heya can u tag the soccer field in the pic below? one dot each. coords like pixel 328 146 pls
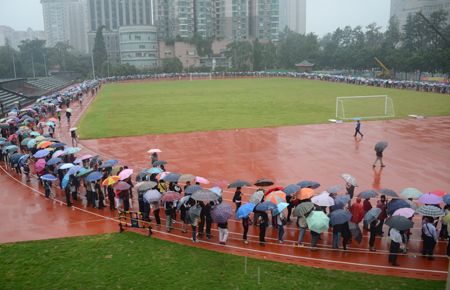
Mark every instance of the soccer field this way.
pixel 139 108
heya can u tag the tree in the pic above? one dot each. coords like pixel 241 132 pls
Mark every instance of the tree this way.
pixel 100 53
pixel 241 53
pixel 172 65
pixel 204 46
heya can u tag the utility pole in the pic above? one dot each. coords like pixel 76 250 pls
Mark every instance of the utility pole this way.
pixel 92 62
pixel 45 65
pixel 14 66
pixel 32 66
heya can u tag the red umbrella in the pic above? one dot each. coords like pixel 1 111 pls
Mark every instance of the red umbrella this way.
pixel 170 196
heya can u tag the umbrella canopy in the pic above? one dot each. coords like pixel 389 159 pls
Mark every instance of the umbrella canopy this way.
pixel 49 177
pixel 34 134
pixel 446 199
pixel 380 146
pixel 71 150
pixel 280 207
pixel 323 199
pixel 264 182
pixel 334 189
pixel 186 177
pixel 10 148
pixel 121 185
pixel 410 192
pixel 124 174
pixel 217 190
pixel 70 111
pixel 276 197
pixel 367 194
pixel 395 204
pixel 84 171
pixel 154 150
pixel 194 212
pixel 153 170
pixel 111 180
pixel 372 214
pixel 66 165
pixel 343 199
pixel 356 232
pixel 14 159
pixel 265 206
pixel 388 192
pixel 171 177
pixel 429 198
pixel 86 157
pixel 291 189
pixel 170 196
pixel 303 209
pixel 54 161
pixel 221 213
pixel 438 192
pixel 94 176
pixel 406 212
pixel 204 195
pixel 183 201
pixel 340 216
pixel 39 165
pixel 238 183
pixel 159 163
pixel 318 221
pixel 74 169
pixel 192 188
pixel 245 210
pixel 430 210
pixel 145 185
pixel 399 222
pixel 23 159
pixel 201 180
pixel 57 153
pixel 31 143
pixel 25 141
pixel 305 193
pixel 44 144
pixel 349 179
pixel 152 196
pixel 308 183
pixel 41 153
pixel 256 197
pixel 109 163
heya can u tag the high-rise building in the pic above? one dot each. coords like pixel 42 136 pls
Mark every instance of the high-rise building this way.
pixel 139 46
pixel 204 18
pixel 293 15
pixel 15 37
pixel 237 19
pixel 402 8
pixel 65 21
pixel 265 19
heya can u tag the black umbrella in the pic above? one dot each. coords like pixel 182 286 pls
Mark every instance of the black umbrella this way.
pixel 395 204
pixel 264 182
pixel 380 146
pixel 239 183
pixel 388 192
pixel 192 188
pixel 399 222
pixel 171 177
pixel 368 194
pixel 159 163
pixel 57 145
pixel 308 183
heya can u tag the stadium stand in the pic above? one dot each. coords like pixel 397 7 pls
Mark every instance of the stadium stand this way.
pixel 49 84
pixel 10 100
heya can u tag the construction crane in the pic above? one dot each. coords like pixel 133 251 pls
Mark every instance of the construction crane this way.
pixel 386 73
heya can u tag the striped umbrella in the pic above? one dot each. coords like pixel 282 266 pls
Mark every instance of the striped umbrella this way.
pixel 430 210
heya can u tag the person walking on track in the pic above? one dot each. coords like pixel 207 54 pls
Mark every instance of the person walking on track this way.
pixel 358 129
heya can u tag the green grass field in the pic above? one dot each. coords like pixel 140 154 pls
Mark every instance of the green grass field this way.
pixel 185 106
pixel 133 261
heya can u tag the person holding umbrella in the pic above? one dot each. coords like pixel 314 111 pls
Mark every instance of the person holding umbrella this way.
pixel 156 209
pixel 379 148
pixel 429 236
pixel 263 223
pixel 26 171
pixel 237 198
pixel 168 206
pixel 382 204
pixel 74 136
pixel 396 242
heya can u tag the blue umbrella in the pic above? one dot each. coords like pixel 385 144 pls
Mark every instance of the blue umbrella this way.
pixel 84 171
pixel 192 188
pixel 171 177
pixel 34 134
pixel 340 216
pixel 264 206
pixel 23 159
pixel 291 189
pixel 344 199
pixel 74 169
pixel 221 213
pixel 245 210
pixel 109 163
pixel 446 199
pixel 71 150
pixel 49 177
pixel 153 170
pixel 41 153
pixel 10 148
pixel 388 192
pixel 65 180
pixel 57 145
pixel 372 214
pixel 395 204
pixel 31 143
pixel 367 194
pixel 280 207
pixel 308 183
pixel 94 176
pixel 54 161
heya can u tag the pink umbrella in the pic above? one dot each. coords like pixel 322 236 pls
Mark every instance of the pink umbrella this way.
pixel 124 174
pixel 122 186
pixel 170 196
pixel 201 180
pixel 39 165
pixel 57 153
pixel 406 212
pixel 154 150
pixel 87 156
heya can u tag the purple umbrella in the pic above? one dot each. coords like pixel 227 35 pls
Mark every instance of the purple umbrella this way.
pixel 429 198
pixel 122 186
pixel 221 213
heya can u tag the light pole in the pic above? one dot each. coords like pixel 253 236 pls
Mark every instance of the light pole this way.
pixel 32 66
pixel 45 64
pixel 14 66
pixel 92 63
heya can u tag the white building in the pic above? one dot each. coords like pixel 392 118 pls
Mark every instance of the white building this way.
pixel 293 15
pixel 402 8
pixel 15 37
pixel 139 46
pixel 66 21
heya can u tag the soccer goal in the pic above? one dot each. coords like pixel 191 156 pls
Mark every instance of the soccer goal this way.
pixel 364 107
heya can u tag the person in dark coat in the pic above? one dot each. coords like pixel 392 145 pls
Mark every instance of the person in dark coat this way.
pixel 373 228
pixel 205 218
pixel 47 186
pixel 396 241
pixel 263 223
pixel 237 198
pixel 245 225
pixel 358 129
pixel 111 197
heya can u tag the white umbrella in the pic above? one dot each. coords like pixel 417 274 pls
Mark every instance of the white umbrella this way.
pixel 323 199
pixel 350 179
pixel 152 196
pixel 154 150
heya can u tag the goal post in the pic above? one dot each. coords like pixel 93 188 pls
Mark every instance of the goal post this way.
pixel 364 107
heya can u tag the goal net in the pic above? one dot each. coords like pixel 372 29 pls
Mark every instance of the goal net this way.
pixel 364 107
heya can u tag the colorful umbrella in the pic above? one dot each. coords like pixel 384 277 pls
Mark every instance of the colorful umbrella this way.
pixel 265 206
pixel 388 192
pixel 124 174
pixel 54 161
pixel 395 204
pixel 245 210
pixel 340 216
pixel 171 177
pixel 153 170
pixel 94 176
pixel 204 195
pixel 54 120
pixel 74 170
pixel 66 166
pixel 85 157
pixel 438 192
pixel 429 198
pixel 303 209
pixel 217 190
pixel 57 153
pixel 430 210
pixel 39 165
pixel 264 182
pixel 221 213
pixel 110 180
pixel 410 192
pixel 323 199
pixel 152 196
pixel 154 150
pixel 334 189
pixel 349 179
pixel 238 183
pixel 58 145
pixel 109 163
pixel 145 185
pixel 186 177
pixel 170 196
pixel 41 153
pixel 276 197
pixel 191 189
pixel 318 221
pixel 71 150
pixel 406 212
pixel 84 171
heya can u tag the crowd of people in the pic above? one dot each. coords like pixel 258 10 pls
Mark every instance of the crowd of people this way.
pixel 28 145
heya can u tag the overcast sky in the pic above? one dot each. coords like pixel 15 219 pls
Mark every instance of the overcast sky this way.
pixel 322 15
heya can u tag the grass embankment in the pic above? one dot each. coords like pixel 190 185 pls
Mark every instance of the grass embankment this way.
pixel 131 109
pixel 133 261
